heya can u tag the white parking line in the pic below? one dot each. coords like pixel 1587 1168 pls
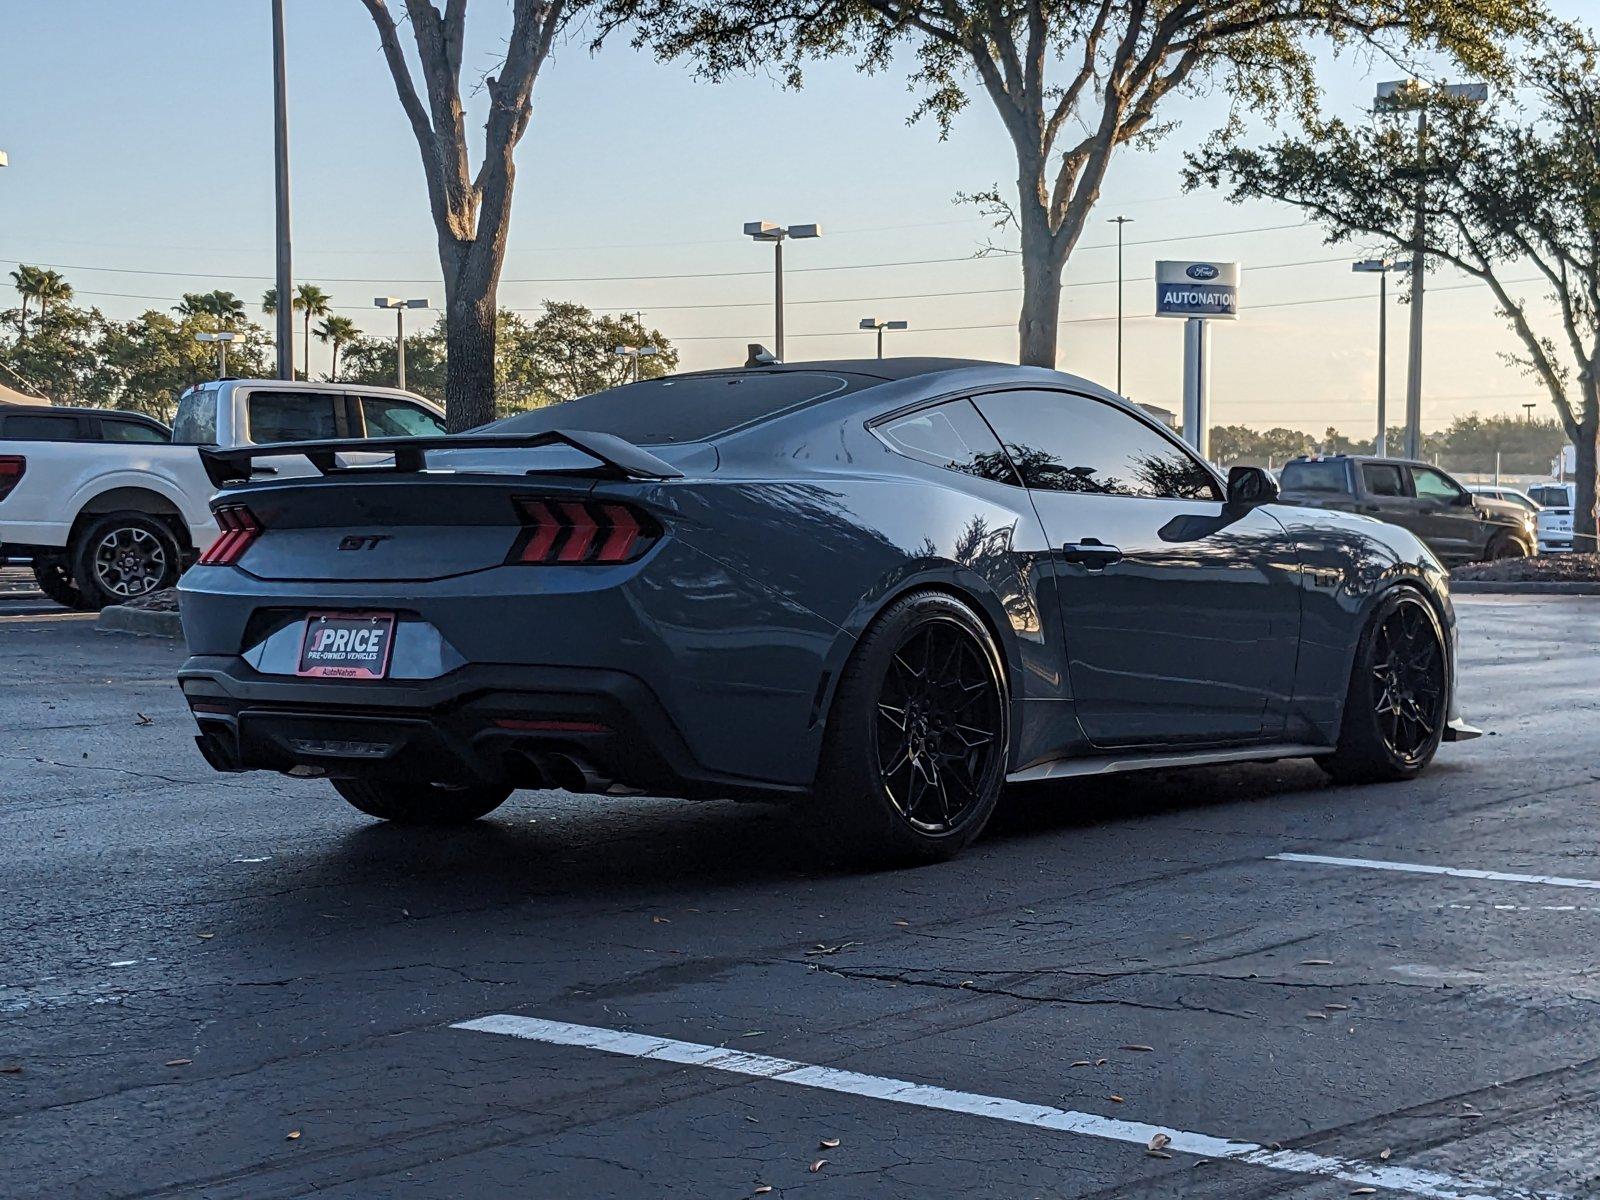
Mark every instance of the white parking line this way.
pixel 1378 864
pixel 1431 1184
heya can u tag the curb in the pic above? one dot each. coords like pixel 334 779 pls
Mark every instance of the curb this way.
pixel 120 618
pixel 1530 587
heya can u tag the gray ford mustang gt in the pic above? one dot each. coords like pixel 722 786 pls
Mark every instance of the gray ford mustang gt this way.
pixel 878 589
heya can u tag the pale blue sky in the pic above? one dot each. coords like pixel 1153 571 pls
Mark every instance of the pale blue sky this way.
pixel 140 139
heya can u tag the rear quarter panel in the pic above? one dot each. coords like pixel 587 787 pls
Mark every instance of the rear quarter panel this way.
pixel 63 477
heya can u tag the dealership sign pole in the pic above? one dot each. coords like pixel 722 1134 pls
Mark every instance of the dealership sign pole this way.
pixel 1199 292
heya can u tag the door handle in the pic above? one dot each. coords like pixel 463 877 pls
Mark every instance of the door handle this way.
pixel 1091 553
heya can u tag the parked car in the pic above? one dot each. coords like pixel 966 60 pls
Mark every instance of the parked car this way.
pixel 110 517
pixel 1509 495
pixel 1456 525
pixel 878 589
pixel 80 425
pixel 1555 517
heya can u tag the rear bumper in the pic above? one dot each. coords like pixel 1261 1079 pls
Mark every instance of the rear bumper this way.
pixel 506 725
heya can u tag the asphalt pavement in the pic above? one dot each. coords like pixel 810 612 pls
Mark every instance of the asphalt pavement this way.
pixel 1232 983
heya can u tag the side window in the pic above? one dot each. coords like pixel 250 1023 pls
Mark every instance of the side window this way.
pixel 42 428
pixel 1434 485
pixel 1324 475
pixel 196 423
pixel 1065 443
pixel 953 436
pixel 113 429
pixel 292 417
pixel 1382 479
pixel 395 418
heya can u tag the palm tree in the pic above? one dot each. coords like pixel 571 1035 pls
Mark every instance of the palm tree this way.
pixel 26 280
pixel 312 301
pixel 340 331
pixel 51 288
pixel 225 306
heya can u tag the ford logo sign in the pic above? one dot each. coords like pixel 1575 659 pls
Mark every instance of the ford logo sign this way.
pixel 1202 271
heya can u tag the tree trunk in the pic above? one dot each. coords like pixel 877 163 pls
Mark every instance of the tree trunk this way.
pixel 1584 483
pixel 469 353
pixel 1041 291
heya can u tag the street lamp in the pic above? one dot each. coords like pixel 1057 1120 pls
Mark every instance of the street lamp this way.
pixel 1407 96
pixel 1119 222
pixel 880 326
pixel 280 177
pixel 766 231
pixel 635 353
pixel 221 339
pixel 4 161
pixel 399 307
pixel 1381 268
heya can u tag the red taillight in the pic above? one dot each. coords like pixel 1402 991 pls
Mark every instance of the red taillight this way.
pixel 239 529
pixel 581 531
pixel 12 467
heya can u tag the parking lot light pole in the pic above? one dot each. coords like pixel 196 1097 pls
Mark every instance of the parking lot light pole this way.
pixel 767 231
pixel 635 353
pixel 1119 222
pixel 399 307
pixel 280 163
pixel 221 339
pixel 1413 96
pixel 1381 268
pixel 880 326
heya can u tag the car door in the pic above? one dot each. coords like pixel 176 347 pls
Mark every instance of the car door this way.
pixel 1181 614
pixel 1386 495
pixel 1454 528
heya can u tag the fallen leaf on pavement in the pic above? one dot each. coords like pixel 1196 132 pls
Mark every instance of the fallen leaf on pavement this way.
pixel 1317 1016
pixel 828 1144
pixel 660 920
pixel 1159 1140
pixel 1100 1062
pixel 903 924
pixel 179 1062
pixel 1114 1098
pixel 141 719
pixel 10 1070
pixel 1316 962
pixel 762 1190
pixel 1365 1191
pixel 292 1135
pixel 205 935
pixel 818 1165
pixel 1142 1049
pixel 1385 1153
pixel 1083 1062
pixel 1157 1154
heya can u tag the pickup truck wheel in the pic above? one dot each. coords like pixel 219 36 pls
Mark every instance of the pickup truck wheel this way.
pixel 421 803
pixel 55 580
pixel 1505 545
pixel 123 556
pixel 1395 709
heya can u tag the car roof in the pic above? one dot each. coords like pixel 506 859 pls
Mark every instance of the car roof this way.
pixel 30 410
pixel 877 368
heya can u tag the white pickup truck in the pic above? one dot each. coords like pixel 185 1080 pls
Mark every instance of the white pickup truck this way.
pixel 106 521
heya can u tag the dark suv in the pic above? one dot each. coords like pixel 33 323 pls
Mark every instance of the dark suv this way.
pixel 1456 525
pixel 32 424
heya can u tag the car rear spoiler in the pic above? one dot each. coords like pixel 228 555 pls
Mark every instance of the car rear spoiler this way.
pixel 615 457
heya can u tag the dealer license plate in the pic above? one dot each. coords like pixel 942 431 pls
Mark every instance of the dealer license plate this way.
pixel 346 645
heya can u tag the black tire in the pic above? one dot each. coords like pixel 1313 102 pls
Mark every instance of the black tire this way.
pixel 55 580
pixel 1505 545
pixel 1398 698
pixel 421 804
pixel 123 556
pixel 914 755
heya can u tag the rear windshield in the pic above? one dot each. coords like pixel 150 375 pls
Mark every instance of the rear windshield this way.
pixel 692 408
pixel 1549 497
pixel 1315 477
pixel 196 423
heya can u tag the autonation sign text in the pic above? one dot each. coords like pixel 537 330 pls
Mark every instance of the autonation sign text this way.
pixel 1197 289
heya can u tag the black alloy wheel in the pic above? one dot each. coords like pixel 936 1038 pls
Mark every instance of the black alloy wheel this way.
pixel 1398 700
pixel 1408 681
pixel 914 753
pixel 123 556
pixel 939 726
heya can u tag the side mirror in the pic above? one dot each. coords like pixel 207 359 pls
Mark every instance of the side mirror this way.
pixel 1250 485
pixel 1464 500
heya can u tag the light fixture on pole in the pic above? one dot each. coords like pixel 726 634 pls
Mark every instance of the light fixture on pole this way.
pixel 399 307
pixel 1381 268
pixel 221 339
pixel 280 164
pixel 1528 408
pixel 1412 95
pixel 4 161
pixel 1119 222
pixel 880 326
pixel 635 353
pixel 767 231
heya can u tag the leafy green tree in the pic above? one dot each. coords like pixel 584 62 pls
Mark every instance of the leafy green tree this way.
pixel 225 307
pixel 569 351
pixel 372 360
pixel 144 364
pixel 1505 189
pixel 337 332
pixel 1073 81
pixel 58 355
pixel 25 280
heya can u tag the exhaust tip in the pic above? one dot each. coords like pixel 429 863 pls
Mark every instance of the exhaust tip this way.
pixel 570 774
